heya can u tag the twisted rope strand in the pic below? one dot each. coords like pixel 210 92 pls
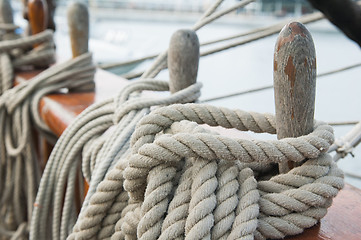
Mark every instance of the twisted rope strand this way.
pixel 20 181
pixel 89 217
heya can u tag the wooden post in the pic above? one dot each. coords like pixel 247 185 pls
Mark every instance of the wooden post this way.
pixel 78 21
pixel 38 15
pixel 6 12
pixel 51 10
pixel 294 84
pixel 183 59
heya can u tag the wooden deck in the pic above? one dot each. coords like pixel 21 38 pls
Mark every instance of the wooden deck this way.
pixel 343 220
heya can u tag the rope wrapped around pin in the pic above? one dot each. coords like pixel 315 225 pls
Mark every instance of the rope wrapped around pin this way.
pixel 185 182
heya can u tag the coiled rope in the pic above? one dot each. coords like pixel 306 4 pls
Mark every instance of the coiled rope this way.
pixel 122 111
pixel 184 182
pixel 17 52
pixel 173 179
pixel 20 171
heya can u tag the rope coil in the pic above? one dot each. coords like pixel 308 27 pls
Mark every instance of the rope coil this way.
pixel 85 136
pixel 186 182
pixel 20 171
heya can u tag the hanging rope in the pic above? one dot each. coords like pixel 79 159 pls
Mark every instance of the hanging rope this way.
pixel 186 182
pixel 20 170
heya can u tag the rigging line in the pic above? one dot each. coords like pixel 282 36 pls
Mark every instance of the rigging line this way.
pixel 216 15
pixel 236 94
pixel 343 123
pixel 271 86
pixel 345 144
pixel 132 75
pixel 106 66
pixel 160 62
pixel 352 175
pixel 274 29
pixel 304 19
pixel 339 70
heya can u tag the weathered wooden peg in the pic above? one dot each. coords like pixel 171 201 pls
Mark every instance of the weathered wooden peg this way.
pixel 183 59
pixel 38 15
pixel 78 21
pixel 6 12
pixel 51 11
pixel 51 5
pixel 294 84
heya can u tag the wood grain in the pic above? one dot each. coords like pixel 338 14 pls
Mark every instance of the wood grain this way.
pixel 183 59
pixel 78 21
pixel 294 83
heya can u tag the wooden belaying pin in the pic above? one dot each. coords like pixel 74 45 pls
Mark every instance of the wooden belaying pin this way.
pixel 294 84
pixel 78 21
pixel 38 15
pixel 6 12
pixel 183 59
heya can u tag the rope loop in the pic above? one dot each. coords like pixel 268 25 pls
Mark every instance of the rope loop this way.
pixel 19 111
pixel 181 180
pixel 217 194
pixel 210 146
pixel 124 104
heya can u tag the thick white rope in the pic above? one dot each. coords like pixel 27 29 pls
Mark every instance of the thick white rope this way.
pixel 91 123
pixel 226 201
pixel 19 171
pixel 345 144
pixel 108 211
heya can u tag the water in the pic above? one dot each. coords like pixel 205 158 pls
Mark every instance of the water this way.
pixel 118 38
